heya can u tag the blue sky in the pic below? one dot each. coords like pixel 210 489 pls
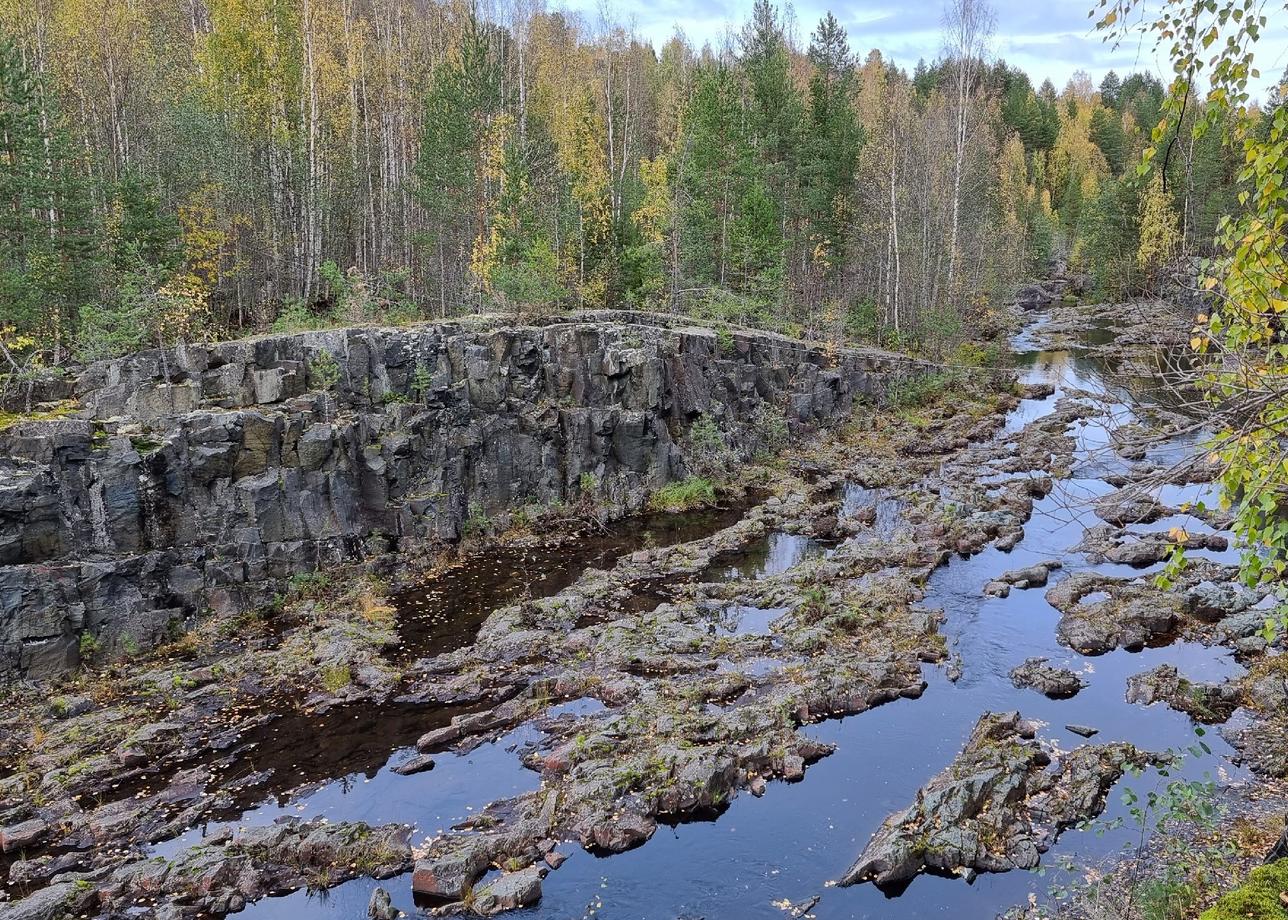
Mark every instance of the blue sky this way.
pixel 1051 39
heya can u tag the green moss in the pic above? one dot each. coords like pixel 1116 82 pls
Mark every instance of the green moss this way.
pixel 62 410
pixel 336 677
pixel 1256 899
pixel 694 492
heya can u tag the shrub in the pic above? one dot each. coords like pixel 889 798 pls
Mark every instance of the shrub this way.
pixel 919 391
pixel 770 422
pixel 324 370
pixel 708 451
pixel 297 316
pixel 89 646
pixel 863 321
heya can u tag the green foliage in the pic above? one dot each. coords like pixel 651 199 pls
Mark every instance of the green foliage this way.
pixel 863 321
pixel 770 423
pixel 324 371
pixel 422 381
pixel 89 646
pixel 49 263
pixel 919 391
pixel 707 450
pixel 685 495
pixel 477 523
pixel 1244 384
pixel 297 316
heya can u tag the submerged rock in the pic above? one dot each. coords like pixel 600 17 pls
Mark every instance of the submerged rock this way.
pixel 999 805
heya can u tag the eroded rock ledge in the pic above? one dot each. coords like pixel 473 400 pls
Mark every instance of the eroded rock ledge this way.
pixel 999 805
pixel 198 477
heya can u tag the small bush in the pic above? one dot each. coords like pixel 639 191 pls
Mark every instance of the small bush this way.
pixel 770 422
pixel 324 371
pixel 694 492
pixel 477 523
pixel 89 646
pixel 863 321
pixel 297 316
pixel 708 452
pixel 919 391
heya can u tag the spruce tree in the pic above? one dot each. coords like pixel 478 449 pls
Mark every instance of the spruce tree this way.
pixel 49 245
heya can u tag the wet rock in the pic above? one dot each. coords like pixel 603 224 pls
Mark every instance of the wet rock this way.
pixel 1212 601
pixel 380 906
pixel 419 763
pixel 1033 576
pixel 617 833
pixel 56 902
pixel 998 807
pixel 1101 613
pixel 1085 731
pixel 1204 702
pixel 997 589
pixel 511 891
pixel 1124 509
pixel 801 908
pixel 452 867
pixel 1049 680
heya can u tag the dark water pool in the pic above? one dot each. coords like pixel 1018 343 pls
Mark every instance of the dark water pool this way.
pixel 788 846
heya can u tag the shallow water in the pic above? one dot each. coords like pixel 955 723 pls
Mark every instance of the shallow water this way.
pixel 791 843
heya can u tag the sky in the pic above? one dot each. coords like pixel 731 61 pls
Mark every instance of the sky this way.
pixel 1046 39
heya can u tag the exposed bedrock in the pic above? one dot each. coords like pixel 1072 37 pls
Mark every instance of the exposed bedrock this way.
pixel 192 479
pixel 997 807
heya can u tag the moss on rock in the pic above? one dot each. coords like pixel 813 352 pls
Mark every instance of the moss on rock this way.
pixel 1256 899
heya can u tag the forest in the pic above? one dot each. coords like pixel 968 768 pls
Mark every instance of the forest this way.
pixel 179 171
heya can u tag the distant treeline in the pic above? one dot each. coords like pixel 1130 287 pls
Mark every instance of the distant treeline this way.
pixel 173 169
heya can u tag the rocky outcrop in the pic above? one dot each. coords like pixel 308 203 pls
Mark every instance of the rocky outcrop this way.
pixel 1048 679
pixel 1203 702
pixel 997 807
pixel 1033 576
pixel 196 478
pixel 1102 613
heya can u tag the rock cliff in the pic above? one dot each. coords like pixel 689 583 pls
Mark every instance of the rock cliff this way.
pixel 194 479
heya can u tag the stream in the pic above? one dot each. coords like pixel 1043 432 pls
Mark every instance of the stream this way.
pixel 790 844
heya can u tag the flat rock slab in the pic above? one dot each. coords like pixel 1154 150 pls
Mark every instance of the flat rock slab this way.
pixel 999 805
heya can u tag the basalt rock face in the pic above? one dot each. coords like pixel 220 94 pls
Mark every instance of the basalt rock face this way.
pixel 195 478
